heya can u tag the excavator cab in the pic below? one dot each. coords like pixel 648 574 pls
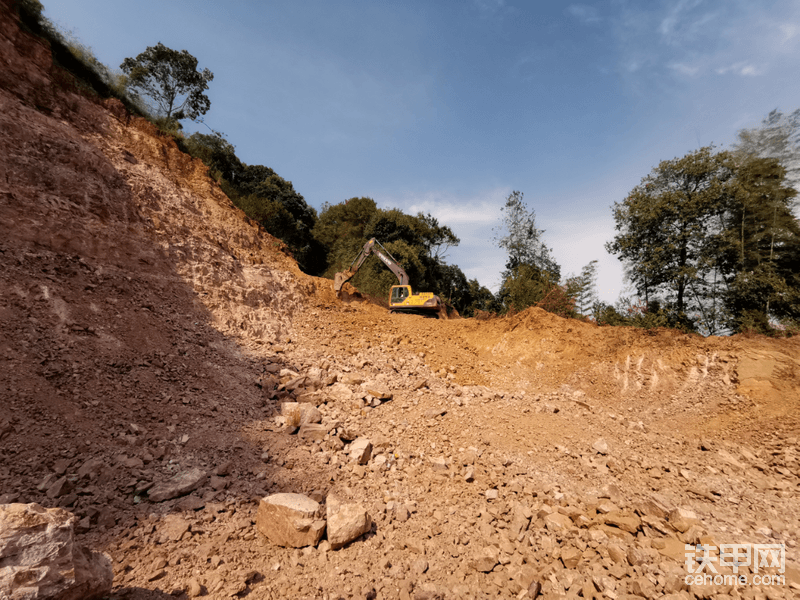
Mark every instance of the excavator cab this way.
pixel 399 293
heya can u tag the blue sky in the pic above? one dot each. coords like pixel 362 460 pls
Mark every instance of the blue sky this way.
pixel 447 106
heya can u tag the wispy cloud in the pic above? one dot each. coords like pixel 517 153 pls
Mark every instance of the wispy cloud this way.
pixel 480 209
pixel 684 69
pixel 789 31
pixel 744 69
pixel 691 38
pixel 586 14
pixel 489 7
pixel 682 24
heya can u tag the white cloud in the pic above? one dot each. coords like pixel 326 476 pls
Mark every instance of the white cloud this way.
pixel 789 31
pixel 692 37
pixel 744 69
pixel 472 218
pixel 584 13
pixel 490 8
pixel 683 69
pixel 577 242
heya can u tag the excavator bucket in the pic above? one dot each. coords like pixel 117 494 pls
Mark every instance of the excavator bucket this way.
pixel 338 281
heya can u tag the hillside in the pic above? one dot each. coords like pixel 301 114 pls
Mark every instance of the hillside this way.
pixel 147 329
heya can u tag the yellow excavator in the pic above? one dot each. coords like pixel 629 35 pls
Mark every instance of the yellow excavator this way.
pixel 401 298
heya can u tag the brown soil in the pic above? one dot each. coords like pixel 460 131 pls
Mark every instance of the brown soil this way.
pixel 145 322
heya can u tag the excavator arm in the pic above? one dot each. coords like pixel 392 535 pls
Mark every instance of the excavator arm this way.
pixel 369 248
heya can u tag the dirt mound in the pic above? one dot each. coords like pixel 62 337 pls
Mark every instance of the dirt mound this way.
pixel 150 331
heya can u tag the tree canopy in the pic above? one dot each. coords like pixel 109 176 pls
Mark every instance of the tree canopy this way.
pixel 712 239
pixel 171 79
pixel 777 137
pixel 531 276
pixel 520 237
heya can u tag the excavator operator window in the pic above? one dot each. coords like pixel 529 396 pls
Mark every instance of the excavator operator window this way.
pixel 399 294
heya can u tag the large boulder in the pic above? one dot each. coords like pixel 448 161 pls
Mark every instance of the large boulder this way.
pixel 290 520
pixel 40 559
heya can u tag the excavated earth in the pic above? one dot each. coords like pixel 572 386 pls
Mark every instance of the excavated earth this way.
pixel 148 329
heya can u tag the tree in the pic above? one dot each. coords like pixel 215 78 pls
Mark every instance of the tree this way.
pixel 663 227
pixel 438 239
pixel 758 248
pixel 418 243
pixel 778 137
pixel 531 273
pixel 522 240
pixel 171 79
pixel 264 196
pixel 710 241
pixel 218 154
pixel 583 288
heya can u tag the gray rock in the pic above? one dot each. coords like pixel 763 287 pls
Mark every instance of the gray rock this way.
pixel 41 560
pixel 432 413
pixel 61 487
pixel 439 463
pixel 172 528
pixel 352 379
pixel 681 519
pixel 290 520
pixel 180 485
pixel 93 466
pixel 469 475
pixel 310 415
pixel 379 393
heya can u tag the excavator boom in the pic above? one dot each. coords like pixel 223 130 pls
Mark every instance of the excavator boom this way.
pixel 369 248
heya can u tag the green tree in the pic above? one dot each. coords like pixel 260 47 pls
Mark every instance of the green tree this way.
pixel 418 242
pixel 528 285
pixel 264 196
pixel 218 154
pixel 171 79
pixel 522 239
pixel 711 238
pixel 758 248
pixel 777 137
pixel 284 213
pixel 340 230
pixel 663 227
pixel 531 273
pixel 583 288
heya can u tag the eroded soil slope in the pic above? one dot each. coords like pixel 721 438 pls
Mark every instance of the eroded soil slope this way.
pixel 148 329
